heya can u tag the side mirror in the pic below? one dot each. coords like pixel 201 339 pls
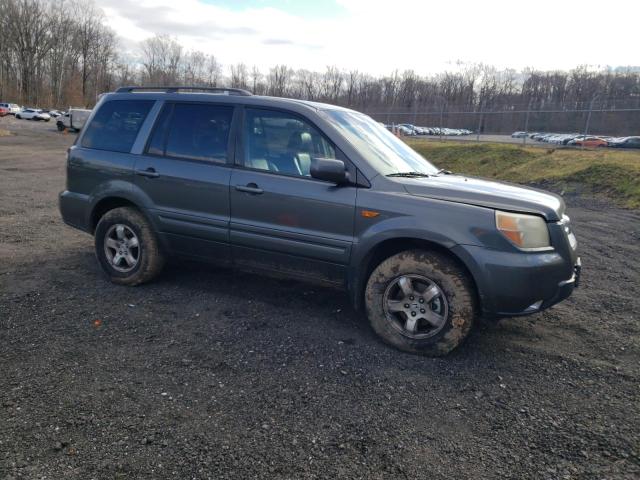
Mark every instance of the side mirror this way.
pixel 330 170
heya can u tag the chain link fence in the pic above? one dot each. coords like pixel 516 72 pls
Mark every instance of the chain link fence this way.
pixel 498 125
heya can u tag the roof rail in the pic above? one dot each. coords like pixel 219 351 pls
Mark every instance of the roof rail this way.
pixel 222 90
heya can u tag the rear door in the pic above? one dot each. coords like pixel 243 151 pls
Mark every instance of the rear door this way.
pixel 282 219
pixel 185 172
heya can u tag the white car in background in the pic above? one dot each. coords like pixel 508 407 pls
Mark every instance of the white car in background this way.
pixel 12 108
pixel 33 114
pixel 73 120
pixel 403 130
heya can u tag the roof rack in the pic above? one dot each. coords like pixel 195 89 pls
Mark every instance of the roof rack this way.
pixel 222 90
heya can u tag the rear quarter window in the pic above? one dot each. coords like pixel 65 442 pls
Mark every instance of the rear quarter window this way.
pixel 116 124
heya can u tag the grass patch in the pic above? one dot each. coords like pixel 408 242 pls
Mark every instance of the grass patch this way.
pixel 612 173
pixel 4 133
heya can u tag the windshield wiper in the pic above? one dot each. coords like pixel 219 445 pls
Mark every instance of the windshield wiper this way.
pixel 446 172
pixel 408 174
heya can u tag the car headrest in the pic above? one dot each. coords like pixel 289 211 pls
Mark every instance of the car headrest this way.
pixel 300 141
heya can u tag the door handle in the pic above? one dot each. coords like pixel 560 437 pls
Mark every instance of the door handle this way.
pixel 250 188
pixel 149 173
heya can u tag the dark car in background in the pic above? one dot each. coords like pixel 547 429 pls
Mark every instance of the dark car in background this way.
pixel 318 193
pixel 628 142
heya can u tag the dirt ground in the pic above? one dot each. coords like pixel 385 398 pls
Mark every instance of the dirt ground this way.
pixel 186 379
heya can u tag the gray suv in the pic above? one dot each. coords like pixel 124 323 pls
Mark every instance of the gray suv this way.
pixel 318 193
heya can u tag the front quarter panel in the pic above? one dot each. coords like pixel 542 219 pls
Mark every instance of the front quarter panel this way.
pixel 445 223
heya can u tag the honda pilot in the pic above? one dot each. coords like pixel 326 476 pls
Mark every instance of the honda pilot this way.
pixel 318 193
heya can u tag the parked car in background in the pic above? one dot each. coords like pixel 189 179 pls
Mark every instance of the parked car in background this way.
pixel 627 142
pixel 73 120
pixel 588 142
pixel 12 108
pixel 404 130
pixel 408 127
pixel 33 114
pixel 519 135
pixel 569 137
pixel 4 111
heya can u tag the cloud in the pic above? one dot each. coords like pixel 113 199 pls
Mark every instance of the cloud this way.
pixel 259 36
pixel 202 29
pixel 277 41
pixel 378 37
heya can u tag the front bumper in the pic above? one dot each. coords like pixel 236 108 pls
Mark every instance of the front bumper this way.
pixel 514 283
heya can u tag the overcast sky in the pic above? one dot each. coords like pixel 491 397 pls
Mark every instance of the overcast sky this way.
pixel 381 36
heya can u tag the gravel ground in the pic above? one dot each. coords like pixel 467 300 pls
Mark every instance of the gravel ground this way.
pixel 185 379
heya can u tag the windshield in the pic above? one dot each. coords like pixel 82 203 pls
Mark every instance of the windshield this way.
pixel 386 153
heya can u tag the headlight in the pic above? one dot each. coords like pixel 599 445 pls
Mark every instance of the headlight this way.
pixel 527 232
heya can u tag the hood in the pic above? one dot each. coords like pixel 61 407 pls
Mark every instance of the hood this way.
pixel 487 193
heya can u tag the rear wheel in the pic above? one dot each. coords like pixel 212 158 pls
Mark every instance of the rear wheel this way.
pixel 421 302
pixel 127 247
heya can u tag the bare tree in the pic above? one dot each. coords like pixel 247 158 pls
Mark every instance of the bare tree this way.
pixel 30 40
pixel 238 75
pixel 161 60
pixel 214 70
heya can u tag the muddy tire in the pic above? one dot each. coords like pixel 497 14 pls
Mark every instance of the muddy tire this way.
pixel 127 248
pixel 421 302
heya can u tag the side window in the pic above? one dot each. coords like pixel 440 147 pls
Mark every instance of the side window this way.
pixel 159 135
pixel 195 132
pixel 284 143
pixel 115 126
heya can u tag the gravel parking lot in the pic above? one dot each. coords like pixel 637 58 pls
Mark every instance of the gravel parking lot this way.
pixel 187 379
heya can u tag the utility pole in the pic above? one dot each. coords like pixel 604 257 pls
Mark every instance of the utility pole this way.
pixel 586 125
pixel 443 105
pixel 526 123
pixel 479 122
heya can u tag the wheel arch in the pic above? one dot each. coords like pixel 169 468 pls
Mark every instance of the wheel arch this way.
pixel 115 194
pixel 107 204
pixel 391 246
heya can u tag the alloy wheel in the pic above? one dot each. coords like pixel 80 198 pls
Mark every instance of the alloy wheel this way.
pixel 415 306
pixel 122 248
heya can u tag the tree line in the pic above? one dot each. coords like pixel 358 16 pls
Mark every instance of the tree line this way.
pixel 55 54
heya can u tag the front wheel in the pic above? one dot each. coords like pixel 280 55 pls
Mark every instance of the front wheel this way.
pixel 421 302
pixel 18 117
pixel 127 247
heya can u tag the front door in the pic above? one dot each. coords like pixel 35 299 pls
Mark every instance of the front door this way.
pixel 184 170
pixel 282 219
